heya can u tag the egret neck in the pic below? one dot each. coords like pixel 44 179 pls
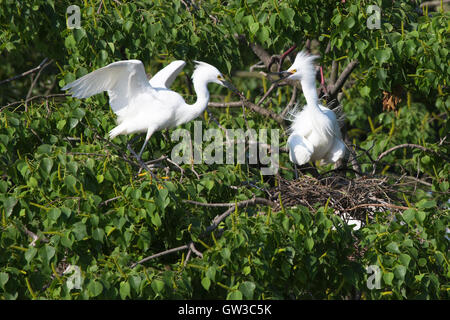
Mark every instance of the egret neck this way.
pixel 192 111
pixel 310 93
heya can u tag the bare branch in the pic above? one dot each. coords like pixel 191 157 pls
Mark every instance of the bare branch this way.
pixel 23 74
pixel 34 98
pixel 342 78
pixel 432 4
pixel 36 78
pixel 405 145
pixel 163 253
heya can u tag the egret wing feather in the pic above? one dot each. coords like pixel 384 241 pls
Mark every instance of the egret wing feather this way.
pixel 123 80
pixel 166 76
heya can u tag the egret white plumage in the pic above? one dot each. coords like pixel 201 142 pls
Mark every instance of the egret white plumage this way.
pixel 314 133
pixel 147 106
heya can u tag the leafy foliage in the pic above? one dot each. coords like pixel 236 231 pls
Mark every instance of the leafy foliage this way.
pixel 71 197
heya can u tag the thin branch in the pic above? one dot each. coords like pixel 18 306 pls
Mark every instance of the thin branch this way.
pixel 342 78
pixel 291 103
pixel 432 4
pixel 36 78
pixel 23 74
pixel 333 75
pixel 405 145
pixel 232 104
pixel 34 98
pixel 163 253
pixel 268 92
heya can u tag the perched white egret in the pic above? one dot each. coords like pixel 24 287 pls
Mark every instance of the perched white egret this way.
pixel 314 133
pixel 147 106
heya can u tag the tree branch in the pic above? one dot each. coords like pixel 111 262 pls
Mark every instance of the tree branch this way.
pixel 23 74
pixel 342 78
pixel 405 145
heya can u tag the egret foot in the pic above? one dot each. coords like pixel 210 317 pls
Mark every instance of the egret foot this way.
pixel 138 157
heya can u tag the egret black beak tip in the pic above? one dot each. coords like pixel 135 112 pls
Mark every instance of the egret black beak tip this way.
pixel 283 75
pixel 230 86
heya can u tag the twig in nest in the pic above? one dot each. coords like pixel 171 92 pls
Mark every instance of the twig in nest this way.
pixel 388 205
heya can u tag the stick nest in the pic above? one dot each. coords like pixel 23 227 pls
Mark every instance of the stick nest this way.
pixel 353 197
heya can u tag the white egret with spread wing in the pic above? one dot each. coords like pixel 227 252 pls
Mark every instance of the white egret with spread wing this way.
pixel 147 106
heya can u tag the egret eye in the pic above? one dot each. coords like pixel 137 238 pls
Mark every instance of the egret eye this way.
pixel 219 77
pixel 293 71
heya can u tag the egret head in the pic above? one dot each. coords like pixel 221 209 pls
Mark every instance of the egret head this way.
pixel 209 73
pixel 302 68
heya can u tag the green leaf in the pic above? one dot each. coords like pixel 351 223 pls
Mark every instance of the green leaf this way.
pixel 162 200
pixel 388 277
pixel 309 243
pixel 30 254
pixel 157 285
pixel 4 277
pixel 425 204
pixel 226 253
pixel 9 205
pixel 349 22
pixel 156 219
pixel 206 283
pixel 70 181
pixel 247 288
pixel 54 214
pixel 70 42
pixel 234 295
pixel 211 273
pixel 47 252
pixel 44 149
pixel 287 14
pixel 95 288
pixel 124 290
pixel 420 216
pixel 254 27
pixel 365 91
pixel 408 215
pixel 46 165
pixel 400 272
pixel 422 262
pixel 98 234
pixel 382 55
pixel 405 259
pixel 393 247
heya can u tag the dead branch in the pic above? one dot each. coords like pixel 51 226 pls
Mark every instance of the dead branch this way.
pixel 342 79
pixel 388 205
pixel 433 4
pixel 46 97
pixel 405 145
pixel 215 223
pixel 30 90
pixel 163 253
pixel 23 74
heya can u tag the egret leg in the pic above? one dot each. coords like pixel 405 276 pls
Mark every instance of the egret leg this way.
pixel 142 149
pixel 295 170
pixel 138 157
